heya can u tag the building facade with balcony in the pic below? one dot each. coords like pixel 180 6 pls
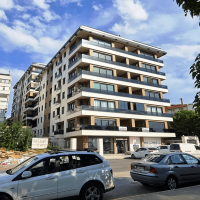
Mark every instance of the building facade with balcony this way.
pixel 5 83
pixel 102 86
pixel 24 105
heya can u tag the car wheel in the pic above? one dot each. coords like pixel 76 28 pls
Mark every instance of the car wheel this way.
pixel 91 191
pixel 146 155
pixel 133 156
pixel 4 197
pixel 145 184
pixel 171 183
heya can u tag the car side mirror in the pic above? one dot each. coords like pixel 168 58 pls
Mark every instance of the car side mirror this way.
pixel 26 174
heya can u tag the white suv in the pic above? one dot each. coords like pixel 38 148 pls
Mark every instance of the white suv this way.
pixel 56 175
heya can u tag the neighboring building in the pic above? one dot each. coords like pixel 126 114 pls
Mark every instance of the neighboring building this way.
pixel 5 83
pixel 24 102
pixel 102 88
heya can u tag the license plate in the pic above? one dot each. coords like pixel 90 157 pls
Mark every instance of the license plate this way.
pixel 139 168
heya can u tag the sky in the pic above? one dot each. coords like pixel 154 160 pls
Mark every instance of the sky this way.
pixel 34 30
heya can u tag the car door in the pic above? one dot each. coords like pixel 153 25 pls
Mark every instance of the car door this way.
pixel 42 185
pixel 72 174
pixel 194 167
pixel 137 153
pixel 180 168
pixel 143 152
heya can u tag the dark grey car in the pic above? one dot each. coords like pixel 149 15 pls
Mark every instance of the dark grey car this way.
pixel 168 170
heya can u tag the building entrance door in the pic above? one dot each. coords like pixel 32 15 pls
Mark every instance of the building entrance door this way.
pixel 121 146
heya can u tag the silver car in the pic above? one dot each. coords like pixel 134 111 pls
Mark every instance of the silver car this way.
pixel 168 170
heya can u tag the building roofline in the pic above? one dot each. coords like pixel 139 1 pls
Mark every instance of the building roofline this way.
pixel 107 34
pixel 32 64
pixel 5 74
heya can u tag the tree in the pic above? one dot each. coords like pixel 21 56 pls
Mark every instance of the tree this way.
pixel 15 137
pixel 193 7
pixel 186 122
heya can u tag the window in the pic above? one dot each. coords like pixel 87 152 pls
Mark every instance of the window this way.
pixel 102 56
pixel 156 126
pixel 190 159
pixel 53 128
pixel 63 95
pixel 148 55
pixel 91 160
pixel 54 100
pixel 46 166
pixel 51 78
pixel 46 94
pixel 101 42
pixel 41 119
pixel 72 59
pixel 71 123
pixel 63 81
pixel 45 105
pixel 43 96
pixel 49 116
pixel 38 123
pixel 39 109
pixel 174 147
pixel 65 54
pixel 148 67
pixel 103 71
pixel 72 89
pixel 40 98
pixel 48 71
pixel 49 103
pixel 3 87
pixel 104 104
pixel 138 106
pixel 47 82
pixel 150 80
pixel 72 74
pixel 71 106
pixel 48 129
pixel 52 68
pixel 157 110
pixel 55 74
pixel 51 91
pixel 63 109
pixel 54 87
pixel 104 87
pixel 152 94
pixel 53 114
pixel 42 108
pixel 105 122
pixel 64 67
pixel 177 159
pixel 43 86
pixel 44 118
pixel 123 105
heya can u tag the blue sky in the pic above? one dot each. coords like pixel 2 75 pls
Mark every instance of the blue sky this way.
pixel 34 30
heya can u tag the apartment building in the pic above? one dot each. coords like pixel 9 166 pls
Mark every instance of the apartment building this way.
pixel 24 104
pixel 103 90
pixel 5 83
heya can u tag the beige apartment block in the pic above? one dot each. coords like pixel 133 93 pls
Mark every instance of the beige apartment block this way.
pixel 102 86
pixel 5 83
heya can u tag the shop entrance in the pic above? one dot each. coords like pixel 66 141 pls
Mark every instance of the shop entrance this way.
pixel 122 145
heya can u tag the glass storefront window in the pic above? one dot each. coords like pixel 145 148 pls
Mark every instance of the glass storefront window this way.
pixel 108 146
pixel 92 142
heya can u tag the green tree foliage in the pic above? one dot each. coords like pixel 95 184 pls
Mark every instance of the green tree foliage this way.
pixel 15 137
pixel 186 122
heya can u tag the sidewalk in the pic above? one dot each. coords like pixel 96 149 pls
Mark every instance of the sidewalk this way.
pixel 185 193
pixel 116 156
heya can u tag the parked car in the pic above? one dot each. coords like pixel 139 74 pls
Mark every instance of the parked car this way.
pixel 184 147
pixel 168 170
pixel 163 148
pixel 142 152
pixel 57 175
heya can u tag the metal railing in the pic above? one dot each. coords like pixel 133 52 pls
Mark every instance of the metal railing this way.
pixel 122 94
pixel 59 62
pixel 115 49
pixel 134 112
pixel 114 63
pixel 116 78
pixel 59 75
pixel 117 128
pixel 59 132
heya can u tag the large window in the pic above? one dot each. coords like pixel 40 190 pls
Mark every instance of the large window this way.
pixel 156 126
pixel 71 106
pixel 72 89
pixel 72 59
pixel 108 146
pixel 71 123
pixel 102 71
pixel 152 109
pixel 123 105
pixel 150 80
pixel 101 86
pixel 105 122
pixel 72 74
pixel 101 42
pixel 104 104
pixel 148 55
pixel 138 106
pixel 148 67
pixel 102 56
pixel 152 94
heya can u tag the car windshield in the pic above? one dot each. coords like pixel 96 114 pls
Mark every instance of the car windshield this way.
pixel 152 148
pixel 154 158
pixel 22 165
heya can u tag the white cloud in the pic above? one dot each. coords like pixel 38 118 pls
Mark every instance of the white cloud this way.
pixel 188 52
pixel 3 15
pixel 50 15
pixel 6 4
pixel 130 9
pixel 97 7
pixel 63 2
pixel 41 4
pixel 26 16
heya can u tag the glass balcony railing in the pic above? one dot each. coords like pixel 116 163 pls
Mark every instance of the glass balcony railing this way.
pixel 121 94
pixel 59 62
pixel 116 128
pixel 114 63
pixel 133 112
pixel 114 49
pixel 116 78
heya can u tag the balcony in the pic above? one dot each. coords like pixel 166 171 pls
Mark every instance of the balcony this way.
pixel 60 62
pixel 58 101
pixel 116 78
pixel 57 117
pixel 59 132
pixel 114 63
pixel 59 75
pixel 117 128
pixel 29 97
pixel 114 49
pixel 121 94
pixel 102 109
pixel 58 88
